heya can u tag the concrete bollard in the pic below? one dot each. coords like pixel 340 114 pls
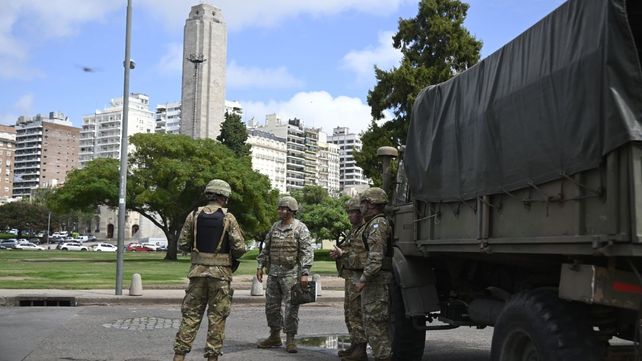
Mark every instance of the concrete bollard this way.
pixel 257 287
pixel 317 278
pixel 136 287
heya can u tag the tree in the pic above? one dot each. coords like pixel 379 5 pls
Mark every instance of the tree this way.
pixel 23 216
pixel 435 46
pixel 234 135
pixel 325 216
pixel 166 177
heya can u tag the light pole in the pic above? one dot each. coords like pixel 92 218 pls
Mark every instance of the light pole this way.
pixel 196 59
pixel 127 64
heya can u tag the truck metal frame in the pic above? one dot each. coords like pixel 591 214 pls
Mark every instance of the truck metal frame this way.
pixel 553 264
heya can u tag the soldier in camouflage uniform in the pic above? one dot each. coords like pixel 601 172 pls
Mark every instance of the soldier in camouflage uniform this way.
pixel 214 238
pixel 286 257
pixel 351 258
pixel 374 283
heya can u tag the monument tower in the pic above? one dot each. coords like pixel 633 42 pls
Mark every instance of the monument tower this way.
pixel 204 58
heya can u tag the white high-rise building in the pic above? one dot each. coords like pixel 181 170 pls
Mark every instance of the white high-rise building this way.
pixel 351 178
pixel 101 131
pixel 328 165
pixel 168 118
pixel 293 133
pixel 269 155
pixel 204 60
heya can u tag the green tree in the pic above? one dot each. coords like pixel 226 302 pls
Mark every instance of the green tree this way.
pixel 325 216
pixel 166 177
pixel 23 216
pixel 435 46
pixel 234 135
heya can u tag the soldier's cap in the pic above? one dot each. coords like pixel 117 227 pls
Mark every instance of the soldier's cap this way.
pixel 353 204
pixel 218 186
pixel 289 202
pixel 374 195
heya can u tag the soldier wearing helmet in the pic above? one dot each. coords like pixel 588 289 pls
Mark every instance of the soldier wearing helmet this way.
pixel 214 238
pixel 351 257
pixel 374 282
pixel 287 258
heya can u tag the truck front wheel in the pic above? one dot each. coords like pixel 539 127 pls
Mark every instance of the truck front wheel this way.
pixel 537 326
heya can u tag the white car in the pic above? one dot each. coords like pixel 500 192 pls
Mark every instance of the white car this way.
pixel 150 246
pixel 28 246
pixel 73 246
pixel 104 247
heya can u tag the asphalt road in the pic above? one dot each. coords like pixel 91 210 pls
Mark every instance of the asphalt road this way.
pixel 145 333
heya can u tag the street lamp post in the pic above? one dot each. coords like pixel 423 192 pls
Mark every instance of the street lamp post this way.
pixel 196 59
pixel 127 64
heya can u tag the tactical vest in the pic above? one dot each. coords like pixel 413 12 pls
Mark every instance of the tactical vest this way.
pixel 284 246
pixel 211 245
pixel 357 252
pixel 388 251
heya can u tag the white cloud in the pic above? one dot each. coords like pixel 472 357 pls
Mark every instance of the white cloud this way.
pixel 239 77
pixel 172 61
pixel 316 109
pixel 362 62
pixel 240 14
pixel 22 106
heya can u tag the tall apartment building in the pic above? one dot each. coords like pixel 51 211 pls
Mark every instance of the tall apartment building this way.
pixel 168 118
pixel 101 131
pixel 269 156
pixel 7 150
pixel 204 61
pixel 328 165
pixel 46 150
pixel 351 178
pixel 311 140
pixel 293 133
pixel 168 115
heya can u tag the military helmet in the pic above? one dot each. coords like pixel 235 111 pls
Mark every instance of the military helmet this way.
pixel 353 204
pixel 218 186
pixel 374 195
pixel 289 202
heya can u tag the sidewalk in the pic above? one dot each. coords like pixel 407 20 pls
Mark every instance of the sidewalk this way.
pixel 331 292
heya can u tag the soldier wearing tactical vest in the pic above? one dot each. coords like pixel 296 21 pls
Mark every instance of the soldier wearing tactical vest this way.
pixel 351 257
pixel 287 257
pixel 214 238
pixel 374 282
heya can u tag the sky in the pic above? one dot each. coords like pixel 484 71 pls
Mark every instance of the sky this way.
pixel 312 60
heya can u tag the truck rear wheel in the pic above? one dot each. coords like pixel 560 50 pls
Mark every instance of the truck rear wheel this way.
pixel 538 326
pixel 407 342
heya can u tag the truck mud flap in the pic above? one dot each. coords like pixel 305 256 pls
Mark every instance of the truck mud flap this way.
pixel 416 279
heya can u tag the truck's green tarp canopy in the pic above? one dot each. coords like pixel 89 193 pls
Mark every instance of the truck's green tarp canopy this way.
pixel 553 101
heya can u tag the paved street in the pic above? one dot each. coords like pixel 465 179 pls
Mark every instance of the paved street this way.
pixel 141 333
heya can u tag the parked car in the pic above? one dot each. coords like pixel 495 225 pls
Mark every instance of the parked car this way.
pixel 150 246
pixel 72 246
pixel 137 247
pixel 28 246
pixel 104 247
pixel 9 243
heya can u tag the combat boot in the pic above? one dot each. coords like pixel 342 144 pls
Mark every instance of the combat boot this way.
pixel 273 341
pixel 178 357
pixel 212 358
pixel 347 351
pixel 290 345
pixel 358 353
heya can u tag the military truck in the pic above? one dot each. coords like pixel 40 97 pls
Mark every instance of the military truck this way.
pixel 517 199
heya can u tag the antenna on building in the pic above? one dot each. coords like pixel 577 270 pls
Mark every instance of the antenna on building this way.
pixel 196 59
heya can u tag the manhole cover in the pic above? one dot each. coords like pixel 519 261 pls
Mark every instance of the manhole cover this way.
pixel 143 323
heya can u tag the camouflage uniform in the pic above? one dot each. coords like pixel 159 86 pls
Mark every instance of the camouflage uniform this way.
pixel 209 285
pixel 350 266
pixel 375 297
pixel 287 253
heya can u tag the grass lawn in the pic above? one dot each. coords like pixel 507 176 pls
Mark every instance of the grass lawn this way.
pixel 92 270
